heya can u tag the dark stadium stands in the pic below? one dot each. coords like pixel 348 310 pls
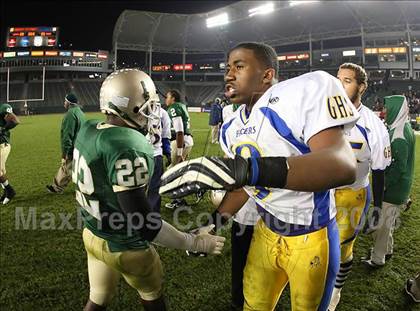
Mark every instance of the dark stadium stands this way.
pixel 195 93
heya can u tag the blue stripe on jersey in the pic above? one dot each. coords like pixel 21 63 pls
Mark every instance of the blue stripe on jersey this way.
pixel 288 229
pixel 223 132
pixel 283 130
pixel 364 133
pixel 357 146
pixel 333 264
pixel 321 212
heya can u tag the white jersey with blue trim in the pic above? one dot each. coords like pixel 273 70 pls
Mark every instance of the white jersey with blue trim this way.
pixel 160 128
pixel 378 138
pixel 248 214
pixel 280 124
pixel 369 140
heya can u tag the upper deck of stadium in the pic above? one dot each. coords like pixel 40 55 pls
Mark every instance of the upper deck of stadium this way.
pixel 288 23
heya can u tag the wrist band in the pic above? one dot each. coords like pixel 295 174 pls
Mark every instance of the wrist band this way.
pixel 179 151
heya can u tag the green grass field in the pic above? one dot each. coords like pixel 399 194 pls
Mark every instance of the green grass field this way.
pixel 46 269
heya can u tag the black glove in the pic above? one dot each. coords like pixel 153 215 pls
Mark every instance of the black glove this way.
pixel 205 173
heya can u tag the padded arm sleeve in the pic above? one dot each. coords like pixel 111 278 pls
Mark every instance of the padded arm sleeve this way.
pixel 135 205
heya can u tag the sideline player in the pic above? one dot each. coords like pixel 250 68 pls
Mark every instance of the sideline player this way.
pixel 112 163
pixel 293 133
pixel 369 140
pixel 398 178
pixel 8 121
pixel 70 126
pixel 158 136
pixel 182 140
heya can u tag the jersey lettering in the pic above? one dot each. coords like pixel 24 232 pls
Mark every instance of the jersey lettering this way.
pixel 125 176
pixel 82 177
pixel 337 108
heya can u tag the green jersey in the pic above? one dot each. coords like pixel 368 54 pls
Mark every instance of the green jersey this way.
pixel 399 175
pixel 179 110
pixel 108 159
pixel 4 134
pixel 70 126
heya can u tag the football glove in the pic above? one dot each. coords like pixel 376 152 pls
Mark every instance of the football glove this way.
pixel 197 231
pixel 205 173
pixel 205 242
pixel 372 221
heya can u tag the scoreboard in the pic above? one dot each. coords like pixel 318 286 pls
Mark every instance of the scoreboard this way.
pixel 24 37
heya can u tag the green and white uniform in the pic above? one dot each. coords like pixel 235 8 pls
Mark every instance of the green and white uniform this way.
pixel 108 159
pixel 178 113
pixel 180 122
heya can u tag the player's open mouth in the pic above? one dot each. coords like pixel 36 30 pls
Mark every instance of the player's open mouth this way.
pixel 230 91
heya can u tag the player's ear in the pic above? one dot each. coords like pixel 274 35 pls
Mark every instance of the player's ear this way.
pixel 362 88
pixel 268 76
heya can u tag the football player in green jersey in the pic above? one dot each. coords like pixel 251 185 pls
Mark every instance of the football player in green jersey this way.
pixel 182 140
pixel 112 164
pixel 8 120
pixel 70 126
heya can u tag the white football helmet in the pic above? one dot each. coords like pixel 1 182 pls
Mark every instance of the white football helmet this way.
pixel 131 95
pixel 216 197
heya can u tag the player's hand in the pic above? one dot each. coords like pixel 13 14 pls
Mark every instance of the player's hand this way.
pixel 204 242
pixel 372 221
pixel 179 159
pixel 205 173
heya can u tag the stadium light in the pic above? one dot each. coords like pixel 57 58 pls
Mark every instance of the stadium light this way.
pixel 262 9
pixel 300 2
pixel 218 20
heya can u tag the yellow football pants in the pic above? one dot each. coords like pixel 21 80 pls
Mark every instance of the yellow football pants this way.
pixel 309 262
pixel 352 206
pixel 142 269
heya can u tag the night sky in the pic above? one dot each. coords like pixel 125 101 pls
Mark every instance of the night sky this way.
pixel 87 25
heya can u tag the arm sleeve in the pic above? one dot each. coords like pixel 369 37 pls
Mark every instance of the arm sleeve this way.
pixel 134 203
pixel 68 134
pixel 378 184
pixel 150 225
pixel 398 165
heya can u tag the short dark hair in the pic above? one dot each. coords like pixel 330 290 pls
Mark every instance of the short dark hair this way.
pixel 175 94
pixel 264 52
pixel 359 72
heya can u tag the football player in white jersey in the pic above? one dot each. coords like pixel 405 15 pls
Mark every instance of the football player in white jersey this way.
pixel 369 140
pixel 245 219
pixel 159 136
pixel 293 136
